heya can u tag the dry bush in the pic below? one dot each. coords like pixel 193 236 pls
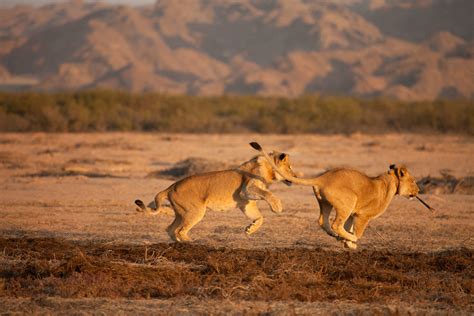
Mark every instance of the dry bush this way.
pixel 447 184
pixel 65 172
pixel 189 167
pixel 51 267
pixel 101 110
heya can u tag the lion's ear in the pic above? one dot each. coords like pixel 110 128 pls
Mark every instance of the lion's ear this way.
pixel 402 171
pixel 391 169
pixel 283 157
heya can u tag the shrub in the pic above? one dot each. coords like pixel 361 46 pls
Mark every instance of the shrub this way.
pixel 104 110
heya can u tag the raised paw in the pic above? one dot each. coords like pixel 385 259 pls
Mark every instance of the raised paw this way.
pixel 276 206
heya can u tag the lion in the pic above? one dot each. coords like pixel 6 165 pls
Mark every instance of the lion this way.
pixel 241 187
pixel 356 197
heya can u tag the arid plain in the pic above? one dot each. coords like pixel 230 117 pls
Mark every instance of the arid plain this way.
pixel 71 240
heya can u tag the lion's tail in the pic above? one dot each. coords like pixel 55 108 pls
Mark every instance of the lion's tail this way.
pixel 303 181
pixel 317 192
pixel 159 198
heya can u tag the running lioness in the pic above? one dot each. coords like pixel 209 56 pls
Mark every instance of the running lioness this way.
pixel 222 190
pixel 356 197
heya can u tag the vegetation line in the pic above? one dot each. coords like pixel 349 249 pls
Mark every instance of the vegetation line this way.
pixel 103 110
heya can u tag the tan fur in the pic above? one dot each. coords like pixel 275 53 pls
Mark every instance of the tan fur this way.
pixel 356 197
pixel 221 190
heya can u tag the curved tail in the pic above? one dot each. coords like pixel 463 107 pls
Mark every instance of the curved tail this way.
pixel 303 181
pixel 159 198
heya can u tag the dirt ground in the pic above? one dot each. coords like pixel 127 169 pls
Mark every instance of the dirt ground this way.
pixel 70 236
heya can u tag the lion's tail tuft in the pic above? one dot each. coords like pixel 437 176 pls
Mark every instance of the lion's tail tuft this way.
pixel 158 204
pixel 141 205
pixel 256 146
pixel 143 208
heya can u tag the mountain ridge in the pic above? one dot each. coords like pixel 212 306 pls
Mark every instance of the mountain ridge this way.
pixel 280 47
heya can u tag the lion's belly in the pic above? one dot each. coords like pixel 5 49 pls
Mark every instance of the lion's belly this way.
pixel 221 204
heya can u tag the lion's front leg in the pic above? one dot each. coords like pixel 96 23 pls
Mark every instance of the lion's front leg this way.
pixel 251 211
pixel 255 190
pixel 359 225
pixel 349 226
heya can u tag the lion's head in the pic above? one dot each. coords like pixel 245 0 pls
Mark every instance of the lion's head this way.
pixel 406 183
pixel 282 161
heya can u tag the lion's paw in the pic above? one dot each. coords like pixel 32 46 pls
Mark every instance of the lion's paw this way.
pixel 350 244
pixel 249 230
pixel 276 206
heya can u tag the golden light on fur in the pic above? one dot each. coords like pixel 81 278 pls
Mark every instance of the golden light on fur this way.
pixel 355 197
pixel 221 190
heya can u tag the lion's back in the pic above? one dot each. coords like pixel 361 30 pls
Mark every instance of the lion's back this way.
pixel 216 185
pixel 347 179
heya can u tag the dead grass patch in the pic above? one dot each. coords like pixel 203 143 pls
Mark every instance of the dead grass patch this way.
pixel 64 172
pixel 447 184
pixel 95 161
pixel 189 167
pixel 12 160
pixel 52 267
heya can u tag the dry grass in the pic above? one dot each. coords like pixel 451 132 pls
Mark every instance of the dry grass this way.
pixel 410 261
pixel 52 267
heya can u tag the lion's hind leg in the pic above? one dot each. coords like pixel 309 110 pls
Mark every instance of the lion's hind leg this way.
pixel 324 211
pixel 252 212
pixel 172 229
pixel 190 216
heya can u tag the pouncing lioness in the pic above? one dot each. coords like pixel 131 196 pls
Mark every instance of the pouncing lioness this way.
pixel 222 190
pixel 356 197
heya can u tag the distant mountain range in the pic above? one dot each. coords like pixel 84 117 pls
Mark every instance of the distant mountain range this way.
pixel 411 50
pixel 10 3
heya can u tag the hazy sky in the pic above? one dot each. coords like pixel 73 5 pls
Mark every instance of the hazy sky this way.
pixel 41 2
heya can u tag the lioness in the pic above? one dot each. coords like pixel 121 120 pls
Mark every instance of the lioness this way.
pixel 222 190
pixel 356 197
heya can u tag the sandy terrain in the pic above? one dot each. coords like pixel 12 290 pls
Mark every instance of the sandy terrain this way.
pixel 81 187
